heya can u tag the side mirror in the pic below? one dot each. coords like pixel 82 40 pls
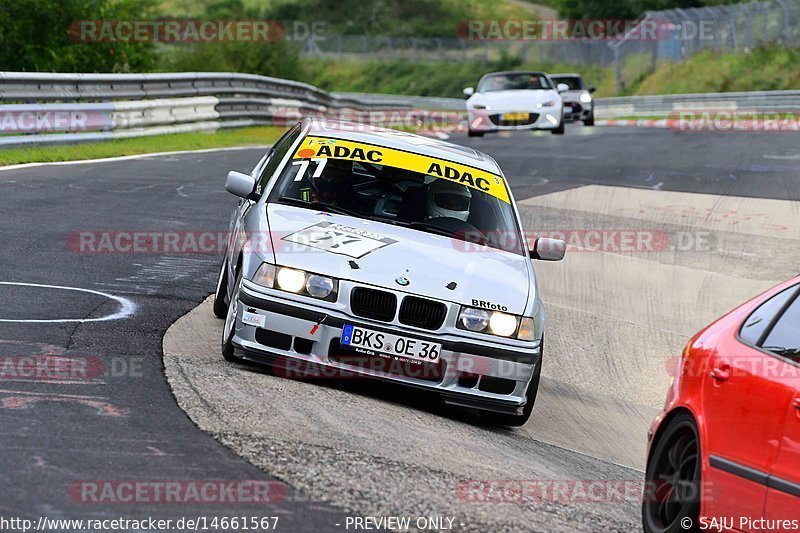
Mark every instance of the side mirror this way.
pixel 240 184
pixel 562 87
pixel 546 249
pixel 469 91
pixel 591 88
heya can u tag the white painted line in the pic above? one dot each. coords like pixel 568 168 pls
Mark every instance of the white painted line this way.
pixel 128 157
pixel 126 307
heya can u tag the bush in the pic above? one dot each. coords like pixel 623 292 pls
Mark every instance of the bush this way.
pixel 35 36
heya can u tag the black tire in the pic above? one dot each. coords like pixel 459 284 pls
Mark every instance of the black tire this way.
pixel 503 419
pixel 672 479
pixel 589 120
pixel 230 322
pixel 560 129
pixel 473 133
pixel 221 294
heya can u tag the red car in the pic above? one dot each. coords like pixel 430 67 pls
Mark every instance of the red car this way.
pixel 724 453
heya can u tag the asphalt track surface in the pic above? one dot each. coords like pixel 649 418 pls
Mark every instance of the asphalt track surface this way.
pixel 615 320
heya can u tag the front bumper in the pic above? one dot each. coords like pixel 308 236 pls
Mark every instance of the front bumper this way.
pixel 576 111
pixel 490 120
pixel 485 375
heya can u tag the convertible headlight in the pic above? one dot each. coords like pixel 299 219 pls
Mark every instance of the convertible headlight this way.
pixel 492 322
pixel 586 98
pixel 549 103
pixel 296 281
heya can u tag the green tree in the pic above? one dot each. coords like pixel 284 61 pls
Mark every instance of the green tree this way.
pixel 35 35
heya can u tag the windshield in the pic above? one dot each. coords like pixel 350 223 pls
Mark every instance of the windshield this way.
pixel 515 81
pixel 573 82
pixel 410 190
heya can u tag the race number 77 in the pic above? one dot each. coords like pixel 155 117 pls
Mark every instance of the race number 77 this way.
pixel 303 164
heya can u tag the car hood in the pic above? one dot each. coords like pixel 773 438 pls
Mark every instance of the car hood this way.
pixel 512 99
pixel 573 96
pixel 334 244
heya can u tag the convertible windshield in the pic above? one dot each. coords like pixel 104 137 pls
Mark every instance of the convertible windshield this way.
pixel 515 81
pixel 409 190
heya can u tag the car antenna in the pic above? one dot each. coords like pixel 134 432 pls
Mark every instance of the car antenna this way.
pixel 354 265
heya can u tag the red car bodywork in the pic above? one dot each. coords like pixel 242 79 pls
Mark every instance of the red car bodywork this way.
pixel 746 404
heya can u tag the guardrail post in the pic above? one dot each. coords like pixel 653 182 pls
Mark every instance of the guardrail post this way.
pixel 617 71
pixel 787 32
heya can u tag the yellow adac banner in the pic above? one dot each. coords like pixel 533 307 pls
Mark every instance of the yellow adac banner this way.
pixel 481 180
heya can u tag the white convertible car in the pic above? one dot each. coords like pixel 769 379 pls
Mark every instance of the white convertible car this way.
pixel 385 255
pixel 514 101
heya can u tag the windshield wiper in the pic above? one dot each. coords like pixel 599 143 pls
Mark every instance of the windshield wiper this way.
pixel 460 235
pixel 318 205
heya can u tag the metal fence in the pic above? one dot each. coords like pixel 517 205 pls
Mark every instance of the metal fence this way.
pixel 676 34
pixel 370 48
pixel 681 33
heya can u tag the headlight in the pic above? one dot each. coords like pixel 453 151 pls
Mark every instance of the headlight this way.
pixel 291 280
pixel 481 106
pixel 473 319
pixel 494 323
pixel 586 98
pixel 296 281
pixel 549 103
pixel 319 286
pixel 503 324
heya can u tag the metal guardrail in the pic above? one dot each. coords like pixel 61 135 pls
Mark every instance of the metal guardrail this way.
pixel 663 105
pixel 67 108
pixel 37 108
pixel 657 105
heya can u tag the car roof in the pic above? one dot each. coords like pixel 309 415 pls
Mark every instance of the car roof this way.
pixel 400 140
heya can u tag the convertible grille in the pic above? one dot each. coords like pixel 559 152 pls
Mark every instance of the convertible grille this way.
pixel 369 303
pixel 532 117
pixel 422 313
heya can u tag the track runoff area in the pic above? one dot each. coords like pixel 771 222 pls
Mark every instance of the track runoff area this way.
pixel 667 231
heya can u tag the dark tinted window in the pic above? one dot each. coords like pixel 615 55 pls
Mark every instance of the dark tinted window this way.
pixel 757 323
pixel 575 84
pixel 278 153
pixel 784 338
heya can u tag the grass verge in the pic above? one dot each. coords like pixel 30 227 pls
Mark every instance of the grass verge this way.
pixel 255 136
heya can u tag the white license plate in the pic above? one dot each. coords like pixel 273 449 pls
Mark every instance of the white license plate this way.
pixel 386 343
pixel 567 109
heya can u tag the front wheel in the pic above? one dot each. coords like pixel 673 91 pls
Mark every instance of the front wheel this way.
pixel 589 121
pixel 560 129
pixel 503 419
pixel 230 322
pixel 672 480
pixel 474 133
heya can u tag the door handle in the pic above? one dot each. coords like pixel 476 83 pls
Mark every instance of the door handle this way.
pixel 721 371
